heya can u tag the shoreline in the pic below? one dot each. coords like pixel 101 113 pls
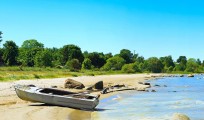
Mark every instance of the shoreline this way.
pixel 23 110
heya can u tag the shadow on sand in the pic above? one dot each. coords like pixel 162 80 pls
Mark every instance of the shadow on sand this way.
pixel 75 114
pixel 88 110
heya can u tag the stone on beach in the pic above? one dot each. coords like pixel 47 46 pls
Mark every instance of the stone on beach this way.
pixel 179 116
pixel 190 75
pixel 69 83
pixel 99 85
pixel 141 87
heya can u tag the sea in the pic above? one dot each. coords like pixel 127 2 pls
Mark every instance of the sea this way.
pixel 184 95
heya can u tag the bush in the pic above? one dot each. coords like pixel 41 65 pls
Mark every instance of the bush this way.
pixel 73 65
pixel 114 63
pixel 86 64
pixel 130 68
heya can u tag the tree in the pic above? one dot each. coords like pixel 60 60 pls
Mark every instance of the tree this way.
pixel 56 56
pixel 32 43
pixel 192 65
pixel 168 63
pixel 43 58
pixel 126 55
pixel 140 59
pixel 70 52
pixel 108 55
pixel 97 59
pixel 198 62
pixel 182 60
pixel 154 65
pixel 1 57
pixel 86 64
pixel 73 65
pixel 130 68
pixel 202 63
pixel 114 63
pixel 1 50
pixel 10 53
pixel 28 50
pixel 0 36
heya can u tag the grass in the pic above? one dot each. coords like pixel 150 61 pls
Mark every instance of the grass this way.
pixel 15 73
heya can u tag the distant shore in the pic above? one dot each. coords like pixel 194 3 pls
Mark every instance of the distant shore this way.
pixel 12 107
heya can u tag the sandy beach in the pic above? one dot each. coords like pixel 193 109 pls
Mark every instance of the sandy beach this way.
pixel 12 107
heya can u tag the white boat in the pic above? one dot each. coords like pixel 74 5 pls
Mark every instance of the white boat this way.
pixel 57 97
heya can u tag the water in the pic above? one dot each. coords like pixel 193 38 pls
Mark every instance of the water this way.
pixel 182 95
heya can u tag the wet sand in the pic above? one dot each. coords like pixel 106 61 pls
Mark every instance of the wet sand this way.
pixel 11 107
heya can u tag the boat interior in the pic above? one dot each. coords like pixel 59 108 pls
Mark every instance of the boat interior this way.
pixel 65 93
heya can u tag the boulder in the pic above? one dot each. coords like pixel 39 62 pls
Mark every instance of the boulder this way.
pixel 89 88
pixel 105 90
pixel 53 86
pixel 119 85
pixel 153 91
pixel 179 116
pixel 98 85
pixel 157 85
pixel 147 84
pixel 69 83
pixel 141 89
pixel 181 76
pixel 140 82
pixel 190 75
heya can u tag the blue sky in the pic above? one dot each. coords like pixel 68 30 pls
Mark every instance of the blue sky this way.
pixel 150 27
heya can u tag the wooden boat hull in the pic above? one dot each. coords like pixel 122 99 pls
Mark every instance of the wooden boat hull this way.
pixel 33 94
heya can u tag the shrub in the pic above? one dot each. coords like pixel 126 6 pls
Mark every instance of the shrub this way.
pixel 73 65
pixel 130 68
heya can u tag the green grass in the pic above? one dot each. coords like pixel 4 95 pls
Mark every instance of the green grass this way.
pixel 15 73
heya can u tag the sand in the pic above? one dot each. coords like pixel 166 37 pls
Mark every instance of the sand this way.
pixel 13 108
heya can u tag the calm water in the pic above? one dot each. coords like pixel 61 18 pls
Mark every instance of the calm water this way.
pixel 182 95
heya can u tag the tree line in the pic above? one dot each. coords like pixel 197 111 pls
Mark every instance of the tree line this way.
pixel 33 54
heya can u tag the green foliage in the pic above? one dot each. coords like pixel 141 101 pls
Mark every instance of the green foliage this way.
pixel 69 52
pixel 97 59
pixel 168 63
pixel 140 59
pixel 108 55
pixel 73 65
pixel 126 55
pixel 192 65
pixel 114 63
pixel 43 58
pixel 198 62
pixel 32 53
pixel 28 51
pixel 0 36
pixel 1 56
pixel 32 43
pixel 154 65
pixel 56 57
pixel 130 68
pixel 182 60
pixel 10 53
pixel 86 64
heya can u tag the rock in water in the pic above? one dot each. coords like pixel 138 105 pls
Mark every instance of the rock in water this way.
pixel 69 83
pixel 190 75
pixel 99 85
pixel 179 116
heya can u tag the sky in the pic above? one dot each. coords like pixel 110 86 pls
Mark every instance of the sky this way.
pixel 148 27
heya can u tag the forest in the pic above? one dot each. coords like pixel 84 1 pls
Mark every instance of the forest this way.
pixel 70 57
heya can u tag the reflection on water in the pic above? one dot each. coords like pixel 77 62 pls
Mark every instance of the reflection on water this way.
pixel 182 95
